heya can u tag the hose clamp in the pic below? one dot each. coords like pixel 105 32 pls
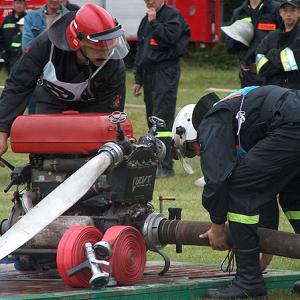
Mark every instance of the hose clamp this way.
pixel 114 151
pixel 150 231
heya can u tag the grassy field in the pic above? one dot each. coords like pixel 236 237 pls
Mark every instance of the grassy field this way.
pixel 194 81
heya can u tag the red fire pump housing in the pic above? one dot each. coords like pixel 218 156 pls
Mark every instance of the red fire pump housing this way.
pixel 66 133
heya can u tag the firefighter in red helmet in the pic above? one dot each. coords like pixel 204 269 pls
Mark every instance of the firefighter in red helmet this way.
pixel 74 65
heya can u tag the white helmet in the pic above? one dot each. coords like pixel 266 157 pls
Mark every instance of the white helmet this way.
pixel 183 131
pixel 21 22
pixel 241 31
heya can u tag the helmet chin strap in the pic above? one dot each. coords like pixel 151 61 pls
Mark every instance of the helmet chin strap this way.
pixel 186 166
pixel 89 62
pixel 97 71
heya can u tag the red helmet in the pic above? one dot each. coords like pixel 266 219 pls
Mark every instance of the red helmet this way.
pixel 95 26
pixel 91 26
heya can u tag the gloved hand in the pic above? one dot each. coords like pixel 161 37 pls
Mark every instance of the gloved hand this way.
pixel 3 145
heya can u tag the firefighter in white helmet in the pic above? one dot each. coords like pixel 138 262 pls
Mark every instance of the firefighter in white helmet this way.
pixel 262 18
pixel 241 31
pixel 184 133
pixel 250 145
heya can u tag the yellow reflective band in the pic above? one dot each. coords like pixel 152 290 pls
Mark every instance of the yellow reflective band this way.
pixel 16 45
pixel 248 19
pixel 164 134
pixel 288 60
pixel 261 60
pixel 238 218
pixel 293 215
pixel 9 25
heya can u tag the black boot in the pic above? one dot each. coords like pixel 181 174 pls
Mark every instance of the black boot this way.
pixel 296 287
pixel 248 281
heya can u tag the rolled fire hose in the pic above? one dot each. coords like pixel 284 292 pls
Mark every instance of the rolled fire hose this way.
pixel 70 253
pixel 128 258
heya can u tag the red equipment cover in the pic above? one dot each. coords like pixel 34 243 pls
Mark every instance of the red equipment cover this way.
pixel 66 133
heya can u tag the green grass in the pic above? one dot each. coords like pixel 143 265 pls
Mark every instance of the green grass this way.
pixel 194 81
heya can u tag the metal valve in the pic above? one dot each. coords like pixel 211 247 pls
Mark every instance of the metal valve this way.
pixel 156 122
pixel 117 117
pixel 103 249
pixel 100 277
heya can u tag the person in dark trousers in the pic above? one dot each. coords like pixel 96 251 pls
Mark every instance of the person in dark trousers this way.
pixel 249 144
pixel 277 61
pixel 9 29
pixel 263 14
pixel 278 55
pixel 163 37
pixel 74 65
pixel 16 45
pixel 70 6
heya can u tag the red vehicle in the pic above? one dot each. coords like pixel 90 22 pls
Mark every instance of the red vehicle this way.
pixel 203 16
pixel 6 6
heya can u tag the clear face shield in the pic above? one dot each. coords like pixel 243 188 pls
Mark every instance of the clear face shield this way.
pixel 106 45
pixel 180 152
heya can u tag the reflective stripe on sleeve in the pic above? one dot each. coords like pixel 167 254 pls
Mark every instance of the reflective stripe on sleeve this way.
pixel 238 218
pixel 288 60
pixel 261 60
pixel 163 134
pixel 16 45
pixel 248 19
pixel 9 25
pixel 293 215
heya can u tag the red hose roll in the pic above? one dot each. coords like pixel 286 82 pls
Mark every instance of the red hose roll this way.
pixel 128 254
pixel 70 253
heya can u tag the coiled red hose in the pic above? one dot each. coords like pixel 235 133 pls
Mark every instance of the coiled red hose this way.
pixel 71 253
pixel 128 254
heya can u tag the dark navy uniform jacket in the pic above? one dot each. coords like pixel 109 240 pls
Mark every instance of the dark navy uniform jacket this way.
pixel 273 67
pixel 264 109
pixel 265 19
pixel 161 42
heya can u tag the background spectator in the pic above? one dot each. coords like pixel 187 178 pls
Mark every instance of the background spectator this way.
pixel 278 58
pixel 264 17
pixel 70 6
pixel 163 37
pixel 10 29
pixel 16 44
pixel 36 21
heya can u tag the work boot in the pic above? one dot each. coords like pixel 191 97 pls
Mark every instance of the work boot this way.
pixel 296 287
pixel 248 281
pixel 200 182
